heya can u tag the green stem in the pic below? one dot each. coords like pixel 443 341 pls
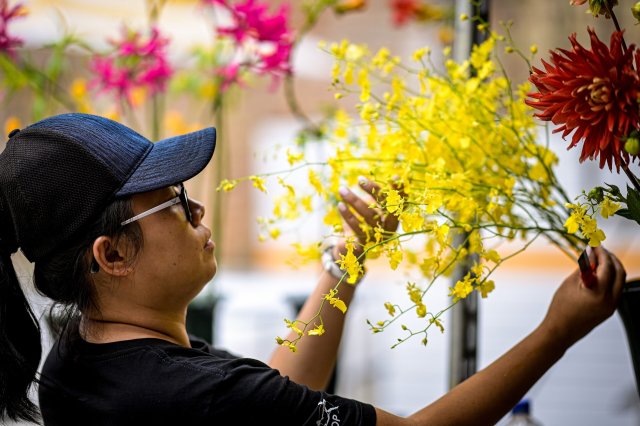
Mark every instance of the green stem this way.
pixel 219 164
pixel 310 127
pixel 154 7
pixel 609 9
pixel 631 176
pixel 312 15
pixel 40 82
pixel 155 117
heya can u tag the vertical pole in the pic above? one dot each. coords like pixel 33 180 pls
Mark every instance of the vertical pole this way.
pixel 464 316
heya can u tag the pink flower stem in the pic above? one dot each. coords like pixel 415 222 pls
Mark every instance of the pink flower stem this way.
pixel 154 7
pixel 296 110
pixel 310 127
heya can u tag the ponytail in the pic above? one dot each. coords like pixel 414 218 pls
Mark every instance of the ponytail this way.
pixel 20 347
pixel 65 278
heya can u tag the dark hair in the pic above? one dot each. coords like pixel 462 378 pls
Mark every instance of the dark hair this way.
pixel 20 347
pixel 64 277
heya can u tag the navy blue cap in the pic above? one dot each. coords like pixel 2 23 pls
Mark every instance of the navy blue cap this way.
pixel 521 407
pixel 58 175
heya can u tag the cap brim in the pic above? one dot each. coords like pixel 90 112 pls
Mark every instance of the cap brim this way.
pixel 171 161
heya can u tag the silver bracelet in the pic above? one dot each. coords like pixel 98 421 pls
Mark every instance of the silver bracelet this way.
pixel 329 264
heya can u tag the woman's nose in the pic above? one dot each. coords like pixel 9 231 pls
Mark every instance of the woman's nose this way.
pixel 197 211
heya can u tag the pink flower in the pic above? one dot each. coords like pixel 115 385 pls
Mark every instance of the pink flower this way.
pixel 8 43
pixel 136 62
pixel 263 41
pixel 111 78
pixel 229 75
pixel 156 76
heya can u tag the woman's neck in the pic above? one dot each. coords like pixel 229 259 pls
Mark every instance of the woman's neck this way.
pixel 105 330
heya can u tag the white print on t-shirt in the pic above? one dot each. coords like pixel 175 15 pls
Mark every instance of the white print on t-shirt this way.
pixel 327 417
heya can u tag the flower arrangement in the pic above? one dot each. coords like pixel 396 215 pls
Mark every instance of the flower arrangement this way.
pixel 458 159
pixel 463 146
pixel 592 94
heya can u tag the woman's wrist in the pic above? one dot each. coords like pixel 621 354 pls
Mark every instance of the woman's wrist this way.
pixel 554 338
pixel 340 249
pixel 330 262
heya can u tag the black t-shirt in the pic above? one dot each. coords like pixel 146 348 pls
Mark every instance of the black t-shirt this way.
pixel 155 382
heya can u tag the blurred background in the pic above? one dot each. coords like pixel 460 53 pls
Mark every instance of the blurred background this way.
pixel 257 119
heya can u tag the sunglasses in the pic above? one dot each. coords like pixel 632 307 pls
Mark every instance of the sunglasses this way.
pixel 182 198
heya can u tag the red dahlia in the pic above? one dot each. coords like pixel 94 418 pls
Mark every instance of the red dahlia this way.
pixel 593 93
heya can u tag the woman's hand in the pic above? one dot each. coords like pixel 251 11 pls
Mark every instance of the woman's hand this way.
pixel 577 308
pixel 355 211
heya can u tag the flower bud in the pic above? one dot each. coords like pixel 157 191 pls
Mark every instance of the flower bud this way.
pixel 596 194
pixel 635 11
pixel 632 145
pixel 346 6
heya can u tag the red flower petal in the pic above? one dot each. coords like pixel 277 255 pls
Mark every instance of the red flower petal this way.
pixel 592 94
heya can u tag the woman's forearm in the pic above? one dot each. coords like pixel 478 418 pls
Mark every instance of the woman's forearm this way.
pixel 486 396
pixel 315 357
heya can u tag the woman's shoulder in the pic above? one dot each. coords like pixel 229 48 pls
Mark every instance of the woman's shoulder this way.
pixel 145 355
pixel 137 377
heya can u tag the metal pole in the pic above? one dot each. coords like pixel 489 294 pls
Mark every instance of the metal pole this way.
pixel 464 316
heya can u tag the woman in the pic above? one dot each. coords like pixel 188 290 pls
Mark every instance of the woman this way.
pixel 102 213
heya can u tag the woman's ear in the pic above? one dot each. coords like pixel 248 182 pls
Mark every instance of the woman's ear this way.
pixel 112 259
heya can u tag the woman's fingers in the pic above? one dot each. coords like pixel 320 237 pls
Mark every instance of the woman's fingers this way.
pixel 355 210
pixel 621 277
pixel 611 275
pixel 368 214
pixel 372 189
pixel 575 309
pixel 351 219
pixel 390 223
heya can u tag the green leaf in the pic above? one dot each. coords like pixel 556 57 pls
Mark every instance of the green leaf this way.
pixel 632 212
pixel 56 63
pixel 38 108
pixel 626 214
pixel 614 192
pixel 633 199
